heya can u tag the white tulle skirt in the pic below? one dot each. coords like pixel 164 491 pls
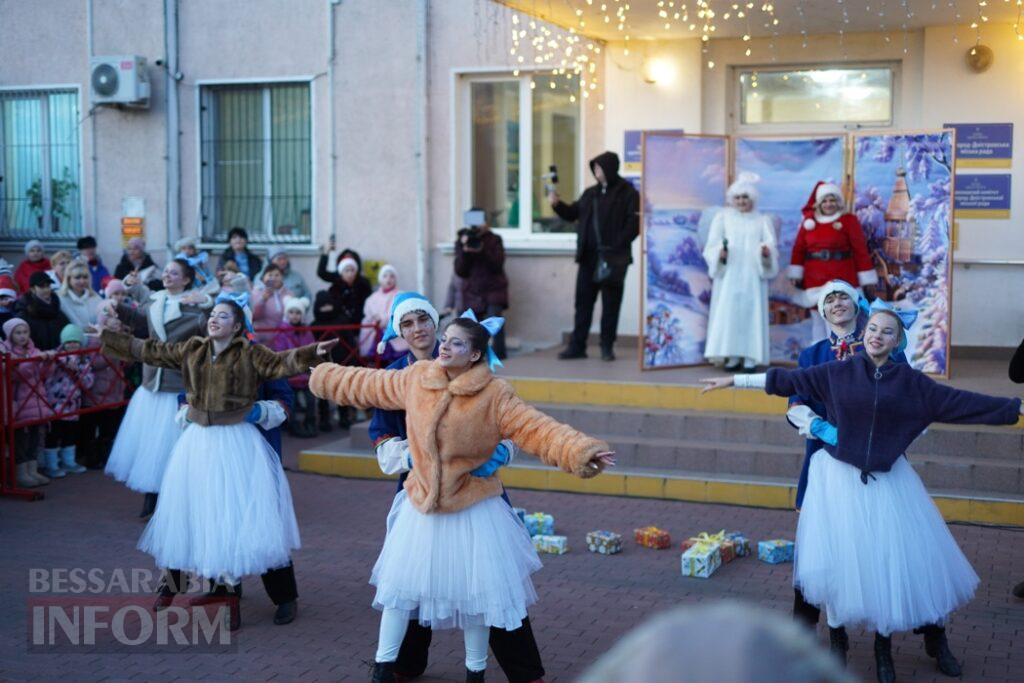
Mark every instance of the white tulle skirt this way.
pixel 877 555
pixel 145 440
pixel 466 568
pixel 225 507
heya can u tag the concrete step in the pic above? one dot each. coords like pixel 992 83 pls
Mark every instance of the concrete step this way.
pixel 956 504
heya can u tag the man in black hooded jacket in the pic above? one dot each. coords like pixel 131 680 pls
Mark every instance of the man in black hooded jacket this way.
pixel 608 216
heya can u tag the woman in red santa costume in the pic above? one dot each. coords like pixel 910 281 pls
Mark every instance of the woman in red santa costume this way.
pixel 830 246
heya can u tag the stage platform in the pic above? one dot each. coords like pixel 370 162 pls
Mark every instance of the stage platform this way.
pixel 732 446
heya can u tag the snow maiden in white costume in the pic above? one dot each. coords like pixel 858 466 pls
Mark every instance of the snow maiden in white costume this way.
pixel 872 548
pixel 148 432
pixel 225 509
pixel 742 259
pixel 455 554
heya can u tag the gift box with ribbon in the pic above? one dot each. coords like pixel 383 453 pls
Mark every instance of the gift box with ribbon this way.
pixel 775 551
pixel 740 543
pixel 555 545
pixel 652 537
pixel 539 524
pixel 604 542
pixel 701 559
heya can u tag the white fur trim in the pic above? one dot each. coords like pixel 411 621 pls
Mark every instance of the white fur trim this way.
pixel 386 268
pixel 867 277
pixel 408 306
pixel 835 286
pixel 810 224
pixel 795 272
pixel 825 189
pixel 296 303
pixel 746 183
pixel 347 261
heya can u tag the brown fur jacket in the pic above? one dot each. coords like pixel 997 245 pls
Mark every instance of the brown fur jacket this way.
pixel 455 425
pixel 221 390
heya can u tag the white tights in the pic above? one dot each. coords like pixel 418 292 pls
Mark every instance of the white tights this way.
pixel 394 622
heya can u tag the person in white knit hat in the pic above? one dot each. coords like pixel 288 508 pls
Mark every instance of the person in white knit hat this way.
pixel 742 258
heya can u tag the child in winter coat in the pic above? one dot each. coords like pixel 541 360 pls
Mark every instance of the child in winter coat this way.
pixel 27 403
pixel 268 303
pixel 292 338
pixel 71 374
pixel 377 312
pixel 97 430
pixel 35 262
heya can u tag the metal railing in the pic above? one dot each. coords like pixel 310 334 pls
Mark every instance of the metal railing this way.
pixel 346 352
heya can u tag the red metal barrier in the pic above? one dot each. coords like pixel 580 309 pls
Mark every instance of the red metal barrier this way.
pixel 347 352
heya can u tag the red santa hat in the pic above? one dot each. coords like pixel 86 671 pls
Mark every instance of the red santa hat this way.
pixel 821 190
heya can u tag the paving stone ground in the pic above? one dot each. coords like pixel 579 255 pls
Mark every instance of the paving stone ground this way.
pixel 587 602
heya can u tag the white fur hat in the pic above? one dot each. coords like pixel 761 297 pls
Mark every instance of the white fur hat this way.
pixel 347 261
pixel 833 286
pixel 826 189
pixel 745 183
pixel 296 303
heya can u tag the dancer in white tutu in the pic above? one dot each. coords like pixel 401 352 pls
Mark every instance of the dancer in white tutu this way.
pixel 455 555
pixel 225 509
pixel 148 432
pixel 872 548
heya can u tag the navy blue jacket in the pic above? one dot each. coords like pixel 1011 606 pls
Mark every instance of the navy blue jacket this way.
pixel 276 390
pixel 878 412
pixel 823 351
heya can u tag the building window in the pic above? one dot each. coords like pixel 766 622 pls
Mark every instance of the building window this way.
pixel 256 159
pixel 40 170
pixel 518 128
pixel 817 95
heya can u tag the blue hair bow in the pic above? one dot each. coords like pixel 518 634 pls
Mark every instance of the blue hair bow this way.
pixel 907 319
pixel 197 261
pixel 242 300
pixel 493 326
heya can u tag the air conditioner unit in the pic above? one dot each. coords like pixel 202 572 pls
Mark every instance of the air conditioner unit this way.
pixel 119 79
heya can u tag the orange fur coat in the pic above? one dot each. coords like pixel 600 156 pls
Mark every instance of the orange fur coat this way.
pixel 455 425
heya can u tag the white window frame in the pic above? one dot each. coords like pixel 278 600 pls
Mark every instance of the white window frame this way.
pixel 735 112
pixel 83 230
pixel 307 79
pixel 520 237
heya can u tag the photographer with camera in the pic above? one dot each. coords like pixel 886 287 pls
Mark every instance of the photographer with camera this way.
pixel 609 221
pixel 480 262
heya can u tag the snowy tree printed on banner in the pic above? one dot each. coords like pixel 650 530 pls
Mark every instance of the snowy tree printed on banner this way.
pixel 683 177
pixel 903 198
pixel 789 169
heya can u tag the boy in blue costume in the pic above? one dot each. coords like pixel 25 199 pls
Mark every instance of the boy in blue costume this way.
pixel 415 320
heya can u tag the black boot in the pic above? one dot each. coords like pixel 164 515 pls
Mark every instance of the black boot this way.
pixel 607 353
pixel 475 676
pixel 285 612
pixel 838 643
pixel 171 584
pixel 383 672
pixel 1018 590
pixel 937 647
pixel 148 505
pixel 885 670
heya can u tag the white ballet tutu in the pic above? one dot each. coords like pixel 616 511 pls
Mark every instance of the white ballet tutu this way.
pixel 466 568
pixel 877 555
pixel 145 440
pixel 225 507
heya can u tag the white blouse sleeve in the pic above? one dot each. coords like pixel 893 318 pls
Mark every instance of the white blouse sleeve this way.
pixel 757 381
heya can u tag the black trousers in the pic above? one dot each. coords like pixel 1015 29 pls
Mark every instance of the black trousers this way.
pixel 516 652
pixel 805 611
pixel 279 583
pixel 586 296
pixel 96 435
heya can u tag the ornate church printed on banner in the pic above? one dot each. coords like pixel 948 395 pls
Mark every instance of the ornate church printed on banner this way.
pixel 903 196
pixel 684 182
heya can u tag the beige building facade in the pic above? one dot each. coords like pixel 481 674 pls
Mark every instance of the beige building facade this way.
pixel 381 121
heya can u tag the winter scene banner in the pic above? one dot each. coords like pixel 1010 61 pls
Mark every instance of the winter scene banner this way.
pixel 683 177
pixel 903 196
pixel 789 169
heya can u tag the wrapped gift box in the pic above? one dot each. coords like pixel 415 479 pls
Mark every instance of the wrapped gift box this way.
pixel 775 551
pixel 521 513
pixel 556 545
pixel 652 537
pixel 728 551
pixel 539 524
pixel 703 537
pixel 604 542
pixel 701 560
pixel 740 543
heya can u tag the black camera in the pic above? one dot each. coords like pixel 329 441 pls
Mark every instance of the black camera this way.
pixel 472 235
